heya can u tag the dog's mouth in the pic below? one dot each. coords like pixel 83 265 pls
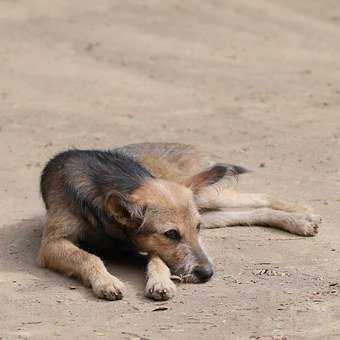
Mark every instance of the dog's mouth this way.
pixel 185 278
pixel 197 275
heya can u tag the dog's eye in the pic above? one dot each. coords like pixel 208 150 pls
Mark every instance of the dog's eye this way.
pixel 199 226
pixel 172 234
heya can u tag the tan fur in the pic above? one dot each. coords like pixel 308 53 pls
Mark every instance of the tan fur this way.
pixel 170 161
pixel 171 205
pixel 295 223
pixel 162 193
pixel 159 285
pixel 58 252
pixel 162 168
pixel 220 196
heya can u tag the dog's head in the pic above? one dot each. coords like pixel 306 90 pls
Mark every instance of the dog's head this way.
pixel 162 218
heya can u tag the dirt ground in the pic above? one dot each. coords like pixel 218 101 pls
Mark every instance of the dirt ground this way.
pixel 257 82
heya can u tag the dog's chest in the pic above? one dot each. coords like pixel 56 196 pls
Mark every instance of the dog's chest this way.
pixel 114 230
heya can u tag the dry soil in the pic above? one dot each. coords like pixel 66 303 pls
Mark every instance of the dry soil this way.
pixel 257 82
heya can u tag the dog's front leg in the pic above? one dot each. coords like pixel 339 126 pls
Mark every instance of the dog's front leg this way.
pixel 159 285
pixel 64 256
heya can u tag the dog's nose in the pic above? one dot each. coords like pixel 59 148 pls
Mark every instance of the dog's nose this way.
pixel 203 273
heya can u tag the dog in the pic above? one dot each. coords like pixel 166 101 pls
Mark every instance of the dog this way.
pixel 156 197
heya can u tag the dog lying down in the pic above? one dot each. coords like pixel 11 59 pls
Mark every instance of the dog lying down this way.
pixel 157 197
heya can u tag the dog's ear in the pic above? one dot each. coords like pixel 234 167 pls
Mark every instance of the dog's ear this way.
pixel 212 175
pixel 123 210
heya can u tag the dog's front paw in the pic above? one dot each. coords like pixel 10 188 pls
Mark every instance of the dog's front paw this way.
pixel 160 290
pixel 108 288
pixel 306 225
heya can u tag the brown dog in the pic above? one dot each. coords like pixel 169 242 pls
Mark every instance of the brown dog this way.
pixel 156 197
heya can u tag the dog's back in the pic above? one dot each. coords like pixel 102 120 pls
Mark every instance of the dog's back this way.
pixel 72 168
pixel 171 161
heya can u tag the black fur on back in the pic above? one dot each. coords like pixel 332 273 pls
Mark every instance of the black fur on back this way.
pixel 85 177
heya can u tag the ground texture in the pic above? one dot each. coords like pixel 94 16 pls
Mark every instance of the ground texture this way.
pixel 257 82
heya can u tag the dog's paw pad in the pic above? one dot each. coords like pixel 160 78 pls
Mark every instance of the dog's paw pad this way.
pixel 108 289
pixel 308 225
pixel 160 290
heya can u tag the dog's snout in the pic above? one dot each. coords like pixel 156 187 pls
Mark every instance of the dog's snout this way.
pixel 203 274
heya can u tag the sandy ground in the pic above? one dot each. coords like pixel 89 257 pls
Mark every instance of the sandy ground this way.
pixel 254 81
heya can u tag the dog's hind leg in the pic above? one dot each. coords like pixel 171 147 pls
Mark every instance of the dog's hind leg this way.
pixel 159 285
pixel 59 252
pixel 295 223
pixel 218 196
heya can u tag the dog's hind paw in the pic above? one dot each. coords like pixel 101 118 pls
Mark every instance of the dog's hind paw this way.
pixel 108 288
pixel 306 225
pixel 160 290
